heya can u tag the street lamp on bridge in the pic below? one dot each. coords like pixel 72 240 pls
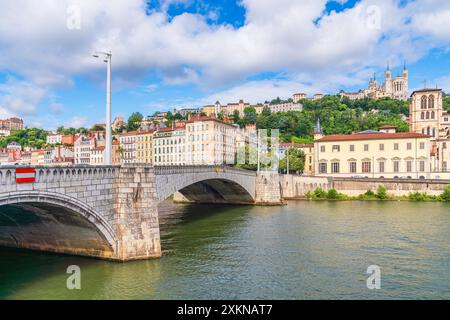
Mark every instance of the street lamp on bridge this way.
pixel 108 145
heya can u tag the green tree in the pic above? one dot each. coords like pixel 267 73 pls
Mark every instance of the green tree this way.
pixel 134 121
pixel 250 115
pixel 296 160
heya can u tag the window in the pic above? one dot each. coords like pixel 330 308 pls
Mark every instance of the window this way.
pixel 322 168
pixel 444 166
pixel 366 147
pixel 423 102
pixel 336 148
pixel 422 145
pixel 409 146
pixel 396 146
pixel 381 167
pixel 432 114
pixel 335 167
pixel 352 148
pixel 408 166
pixel 322 148
pixel 352 167
pixel 422 166
pixel 381 147
pixel 366 167
pixel 396 166
pixel 431 102
pixel 428 114
pixel 422 115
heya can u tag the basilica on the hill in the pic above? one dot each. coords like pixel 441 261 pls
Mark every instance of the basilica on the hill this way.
pixel 395 88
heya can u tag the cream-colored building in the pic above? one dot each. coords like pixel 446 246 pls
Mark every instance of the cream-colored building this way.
pixel 373 154
pixel 144 147
pixel 169 146
pixel 97 156
pixel 428 116
pixel 296 97
pixel 83 148
pixel 210 141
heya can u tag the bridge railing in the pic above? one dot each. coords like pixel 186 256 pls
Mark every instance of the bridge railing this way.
pixel 168 170
pixel 45 174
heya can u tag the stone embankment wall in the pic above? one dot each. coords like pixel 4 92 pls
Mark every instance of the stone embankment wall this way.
pixel 295 187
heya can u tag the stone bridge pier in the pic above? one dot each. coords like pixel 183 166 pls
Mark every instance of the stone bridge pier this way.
pixel 111 212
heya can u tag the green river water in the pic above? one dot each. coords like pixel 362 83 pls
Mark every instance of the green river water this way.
pixel 305 250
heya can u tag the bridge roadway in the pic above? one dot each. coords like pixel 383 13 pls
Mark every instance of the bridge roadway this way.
pixel 111 212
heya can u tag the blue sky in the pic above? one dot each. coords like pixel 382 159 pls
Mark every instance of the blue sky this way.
pixel 184 53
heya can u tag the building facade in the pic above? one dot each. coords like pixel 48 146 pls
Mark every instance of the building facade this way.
pixel 210 141
pixel 373 154
pixel 428 116
pixel 285 107
pixel 13 123
pixel 296 97
pixel 169 146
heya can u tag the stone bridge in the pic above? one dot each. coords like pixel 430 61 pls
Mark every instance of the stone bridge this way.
pixel 112 212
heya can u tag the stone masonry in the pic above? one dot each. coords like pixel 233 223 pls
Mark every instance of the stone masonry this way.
pixel 111 212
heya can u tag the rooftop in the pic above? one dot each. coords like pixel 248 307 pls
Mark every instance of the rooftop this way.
pixel 373 136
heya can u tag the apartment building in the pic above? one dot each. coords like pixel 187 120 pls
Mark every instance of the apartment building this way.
pixel 83 147
pixel 127 142
pixel 54 139
pixel 144 147
pixel 285 107
pixel 169 146
pixel 373 154
pixel 97 156
pixel 12 124
pixel 210 141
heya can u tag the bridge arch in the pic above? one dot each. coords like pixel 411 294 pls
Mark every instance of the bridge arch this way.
pixel 55 222
pixel 207 184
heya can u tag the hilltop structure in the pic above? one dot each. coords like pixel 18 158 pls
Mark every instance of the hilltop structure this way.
pixel 394 88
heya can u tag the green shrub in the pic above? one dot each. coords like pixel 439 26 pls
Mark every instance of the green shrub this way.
pixel 332 194
pixel 381 193
pixel 417 196
pixel 319 193
pixel 445 196
pixel 369 193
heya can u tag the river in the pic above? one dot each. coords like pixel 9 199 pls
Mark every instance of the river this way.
pixel 305 250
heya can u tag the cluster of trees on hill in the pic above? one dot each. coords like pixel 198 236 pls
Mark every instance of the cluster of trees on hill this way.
pixel 337 116
pixel 26 138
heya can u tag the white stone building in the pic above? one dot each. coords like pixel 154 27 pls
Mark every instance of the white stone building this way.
pixel 169 146
pixel 54 139
pixel 210 141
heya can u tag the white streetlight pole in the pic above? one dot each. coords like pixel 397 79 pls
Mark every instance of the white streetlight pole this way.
pixel 108 144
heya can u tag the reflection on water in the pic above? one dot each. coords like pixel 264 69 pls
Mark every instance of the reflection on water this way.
pixel 306 250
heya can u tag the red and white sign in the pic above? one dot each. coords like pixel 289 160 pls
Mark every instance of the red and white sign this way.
pixel 25 175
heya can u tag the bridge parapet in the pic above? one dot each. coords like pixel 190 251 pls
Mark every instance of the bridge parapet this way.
pixel 48 174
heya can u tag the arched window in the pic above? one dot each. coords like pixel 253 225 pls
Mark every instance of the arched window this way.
pixel 434 132
pixel 431 102
pixel 428 131
pixel 423 102
pixel 432 114
pixel 422 115
pixel 428 114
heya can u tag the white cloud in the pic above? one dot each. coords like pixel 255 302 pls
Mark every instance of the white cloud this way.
pixel 77 122
pixel 20 97
pixel 312 49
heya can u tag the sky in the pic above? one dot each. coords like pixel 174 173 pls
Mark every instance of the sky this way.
pixel 188 53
